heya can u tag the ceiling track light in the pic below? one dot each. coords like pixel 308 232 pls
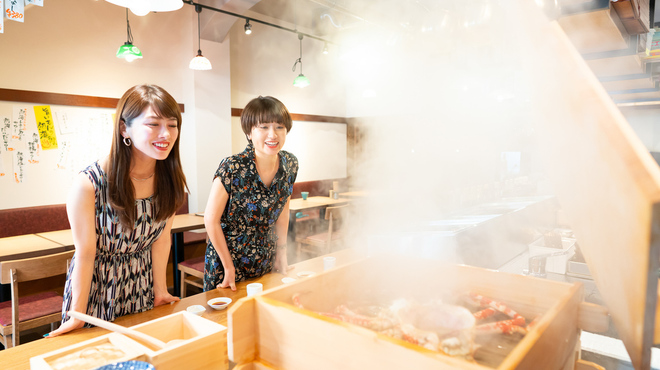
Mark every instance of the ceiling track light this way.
pixel 300 81
pixel 129 51
pixel 248 27
pixel 325 48
pixel 199 62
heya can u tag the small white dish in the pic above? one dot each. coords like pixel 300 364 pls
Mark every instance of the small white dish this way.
pixel 304 274
pixel 287 280
pixel 219 303
pixel 196 309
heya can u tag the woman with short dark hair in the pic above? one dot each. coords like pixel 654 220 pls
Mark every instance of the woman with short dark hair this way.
pixel 247 214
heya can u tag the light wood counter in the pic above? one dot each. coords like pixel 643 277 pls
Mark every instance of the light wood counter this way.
pixel 19 357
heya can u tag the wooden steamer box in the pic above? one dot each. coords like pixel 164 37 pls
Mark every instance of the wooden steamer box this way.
pixel 269 329
pixel 203 345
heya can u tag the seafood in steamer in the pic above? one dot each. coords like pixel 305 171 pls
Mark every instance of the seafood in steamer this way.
pixel 435 325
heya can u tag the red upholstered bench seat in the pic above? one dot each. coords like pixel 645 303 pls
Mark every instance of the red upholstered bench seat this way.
pixel 196 263
pixel 31 307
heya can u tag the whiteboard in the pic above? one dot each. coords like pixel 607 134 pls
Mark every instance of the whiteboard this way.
pixel 319 146
pixel 44 175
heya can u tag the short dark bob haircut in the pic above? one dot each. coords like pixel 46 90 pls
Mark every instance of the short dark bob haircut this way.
pixel 264 109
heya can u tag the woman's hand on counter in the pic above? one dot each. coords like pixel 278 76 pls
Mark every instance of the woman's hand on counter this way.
pixel 229 281
pixel 68 326
pixel 164 299
pixel 281 264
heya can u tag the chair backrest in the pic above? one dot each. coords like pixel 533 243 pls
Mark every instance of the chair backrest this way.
pixel 337 212
pixel 35 268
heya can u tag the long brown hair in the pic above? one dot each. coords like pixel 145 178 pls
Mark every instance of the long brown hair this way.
pixel 170 182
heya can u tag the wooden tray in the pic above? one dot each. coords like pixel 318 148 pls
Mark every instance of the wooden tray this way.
pixel 267 328
pixel 203 345
pixel 87 349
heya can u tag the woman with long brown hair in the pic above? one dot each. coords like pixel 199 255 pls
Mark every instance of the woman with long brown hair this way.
pixel 120 209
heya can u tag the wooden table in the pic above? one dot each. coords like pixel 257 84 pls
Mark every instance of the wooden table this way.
pixel 181 223
pixel 299 204
pixel 19 357
pixel 25 246
pixel 312 208
pixel 61 237
pixel 353 194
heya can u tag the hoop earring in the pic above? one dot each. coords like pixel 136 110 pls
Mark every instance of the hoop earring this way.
pixel 127 141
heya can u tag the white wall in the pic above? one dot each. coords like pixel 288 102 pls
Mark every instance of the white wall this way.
pixel 319 146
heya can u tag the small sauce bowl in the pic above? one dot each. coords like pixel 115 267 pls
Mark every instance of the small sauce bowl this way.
pixel 196 309
pixel 219 303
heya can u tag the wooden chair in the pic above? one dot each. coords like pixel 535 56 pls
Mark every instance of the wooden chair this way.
pixel 31 311
pixel 319 244
pixel 191 267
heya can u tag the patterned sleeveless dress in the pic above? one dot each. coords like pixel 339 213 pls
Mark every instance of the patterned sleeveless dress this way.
pixel 248 220
pixel 122 280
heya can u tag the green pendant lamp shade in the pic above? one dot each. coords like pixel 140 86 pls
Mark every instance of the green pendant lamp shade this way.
pixel 129 52
pixel 300 81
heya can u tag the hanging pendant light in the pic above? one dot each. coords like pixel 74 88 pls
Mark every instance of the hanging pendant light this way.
pixel 143 7
pixel 199 62
pixel 129 51
pixel 300 81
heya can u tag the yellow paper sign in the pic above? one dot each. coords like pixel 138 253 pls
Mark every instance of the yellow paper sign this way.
pixel 45 126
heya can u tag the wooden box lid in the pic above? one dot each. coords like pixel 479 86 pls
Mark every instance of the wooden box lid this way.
pixel 606 182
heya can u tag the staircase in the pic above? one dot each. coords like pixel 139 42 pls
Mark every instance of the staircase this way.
pixel 612 38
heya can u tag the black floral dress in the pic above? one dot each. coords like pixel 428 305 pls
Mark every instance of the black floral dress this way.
pixel 248 220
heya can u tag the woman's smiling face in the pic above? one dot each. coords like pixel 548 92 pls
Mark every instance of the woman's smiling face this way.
pixel 268 138
pixel 152 136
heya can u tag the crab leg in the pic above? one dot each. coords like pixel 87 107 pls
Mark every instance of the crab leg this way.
pixel 374 323
pixel 486 312
pixel 487 302
pixel 505 327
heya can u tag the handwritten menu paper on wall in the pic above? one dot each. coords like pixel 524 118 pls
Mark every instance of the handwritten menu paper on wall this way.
pixel 34 2
pixel 46 127
pixel 14 10
pixel 5 131
pixel 33 147
pixel 19 125
pixel 19 166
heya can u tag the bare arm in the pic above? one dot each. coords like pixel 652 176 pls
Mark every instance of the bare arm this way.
pixel 282 230
pixel 215 207
pixel 160 253
pixel 80 208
